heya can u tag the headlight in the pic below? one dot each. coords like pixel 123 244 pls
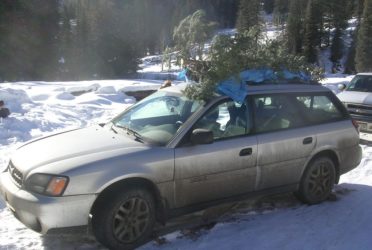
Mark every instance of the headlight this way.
pixel 51 185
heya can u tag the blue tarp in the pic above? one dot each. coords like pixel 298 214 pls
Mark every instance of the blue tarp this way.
pixel 236 87
pixel 233 89
pixel 182 76
pixel 257 75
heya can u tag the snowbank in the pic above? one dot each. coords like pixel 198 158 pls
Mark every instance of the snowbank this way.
pixel 40 108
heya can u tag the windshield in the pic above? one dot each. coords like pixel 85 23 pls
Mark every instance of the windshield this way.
pixel 158 117
pixel 362 83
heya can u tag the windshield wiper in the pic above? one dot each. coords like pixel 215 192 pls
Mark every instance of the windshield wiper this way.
pixel 135 134
pixel 130 131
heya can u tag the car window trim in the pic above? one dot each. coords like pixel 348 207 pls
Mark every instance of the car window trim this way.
pixel 211 105
pixel 340 107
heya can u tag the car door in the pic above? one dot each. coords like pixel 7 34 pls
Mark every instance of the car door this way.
pixel 222 169
pixel 284 141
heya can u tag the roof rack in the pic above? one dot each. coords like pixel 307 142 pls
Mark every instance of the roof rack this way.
pixel 281 81
pixel 238 87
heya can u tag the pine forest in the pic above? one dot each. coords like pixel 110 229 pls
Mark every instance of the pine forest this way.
pixel 104 39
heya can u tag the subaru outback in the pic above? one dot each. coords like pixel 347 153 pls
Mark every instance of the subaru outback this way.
pixel 168 155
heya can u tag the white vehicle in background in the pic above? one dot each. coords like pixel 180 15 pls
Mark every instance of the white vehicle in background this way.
pixel 357 97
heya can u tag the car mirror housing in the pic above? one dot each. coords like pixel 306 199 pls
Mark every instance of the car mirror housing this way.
pixel 341 86
pixel 201 136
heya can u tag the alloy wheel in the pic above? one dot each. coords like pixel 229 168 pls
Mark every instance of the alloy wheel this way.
pixel 131 220
pixel 319 181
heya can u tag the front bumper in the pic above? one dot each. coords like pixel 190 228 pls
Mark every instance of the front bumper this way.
pixel 42 213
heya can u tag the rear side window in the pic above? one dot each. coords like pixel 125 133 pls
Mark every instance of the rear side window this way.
pixel 284 111
pixel 276 112
pixel 319 109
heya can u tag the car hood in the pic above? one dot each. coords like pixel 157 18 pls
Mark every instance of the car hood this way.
pixel 70 144
pixel 356 97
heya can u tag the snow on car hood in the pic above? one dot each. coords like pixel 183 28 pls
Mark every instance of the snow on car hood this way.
pixel 356 97
pixel 69 144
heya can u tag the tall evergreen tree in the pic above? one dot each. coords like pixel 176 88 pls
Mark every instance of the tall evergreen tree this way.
pixel 312 36
pixel 225 12
pixel 336 48
pixel 294 28
pixel 359 9
pixel 349 66
pixel 192 33
pixel 281 11
pixel 363 56
pixel 350 59
pixel 248 15
pixel 268 6
pixel 338 18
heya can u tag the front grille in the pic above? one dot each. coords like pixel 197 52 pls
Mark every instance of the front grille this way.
pixel 15 173
pixel 357 109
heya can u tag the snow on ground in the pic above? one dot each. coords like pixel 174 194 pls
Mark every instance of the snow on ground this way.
pixel 153 64
pixel 272 30
pixel 280 222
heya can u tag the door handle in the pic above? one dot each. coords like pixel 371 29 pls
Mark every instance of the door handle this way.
pixel 307 140
pixel 245 151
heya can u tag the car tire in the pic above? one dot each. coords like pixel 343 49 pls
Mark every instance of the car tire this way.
pixel 317 181
pixel 125 221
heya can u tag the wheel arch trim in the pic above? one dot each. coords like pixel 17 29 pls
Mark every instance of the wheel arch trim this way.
pixel 326 152
pixel 130 182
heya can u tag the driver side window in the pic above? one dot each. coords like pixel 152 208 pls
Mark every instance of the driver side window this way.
pixel 225 120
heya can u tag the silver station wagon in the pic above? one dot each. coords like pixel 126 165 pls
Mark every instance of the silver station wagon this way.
pixel 168 155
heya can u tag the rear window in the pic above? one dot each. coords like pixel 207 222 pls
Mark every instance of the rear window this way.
pixel 285 111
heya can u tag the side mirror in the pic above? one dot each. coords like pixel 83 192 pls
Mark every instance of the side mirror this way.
pixel 201 136
pixel 341 86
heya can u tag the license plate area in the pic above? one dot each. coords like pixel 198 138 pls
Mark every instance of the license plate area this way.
pixel 365 126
